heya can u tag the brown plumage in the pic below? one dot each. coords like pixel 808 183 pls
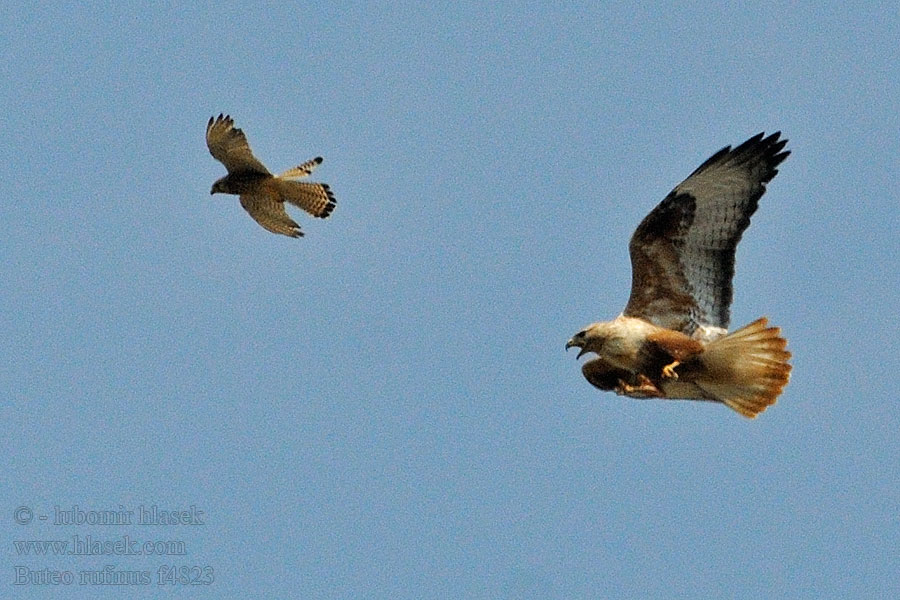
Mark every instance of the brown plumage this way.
pixel 672 340
pixel 746 370
pixel 262 194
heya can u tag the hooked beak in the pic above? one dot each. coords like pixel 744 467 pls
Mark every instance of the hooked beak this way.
pixel 572 343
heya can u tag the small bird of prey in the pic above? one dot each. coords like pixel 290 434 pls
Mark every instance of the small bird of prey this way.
pixel 262 194
pixel 672 339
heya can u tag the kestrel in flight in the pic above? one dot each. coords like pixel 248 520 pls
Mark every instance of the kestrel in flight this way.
pixel 262 194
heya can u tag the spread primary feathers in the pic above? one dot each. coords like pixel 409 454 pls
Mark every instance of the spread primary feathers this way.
pixel 262 194
pixel 672 340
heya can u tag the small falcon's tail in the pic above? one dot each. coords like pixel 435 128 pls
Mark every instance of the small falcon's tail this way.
pixel 747 369
pixel 314 198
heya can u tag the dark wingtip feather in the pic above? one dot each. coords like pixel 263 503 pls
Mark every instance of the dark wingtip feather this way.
pixel 772 150
pixel 296 232
pixel 716 157
pixel 769 149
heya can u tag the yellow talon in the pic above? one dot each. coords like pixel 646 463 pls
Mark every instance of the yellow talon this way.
pixel 668 371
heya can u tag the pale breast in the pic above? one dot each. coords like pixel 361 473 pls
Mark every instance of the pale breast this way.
pixel 625 341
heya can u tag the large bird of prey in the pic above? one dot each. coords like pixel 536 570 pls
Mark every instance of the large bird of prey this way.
pixel 262 194
pixel 672 340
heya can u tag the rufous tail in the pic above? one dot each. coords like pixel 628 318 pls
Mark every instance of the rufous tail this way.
pixel 747 369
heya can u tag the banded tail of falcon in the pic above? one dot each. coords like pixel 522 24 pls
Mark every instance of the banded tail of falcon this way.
pixel 262 194
pixel 672 339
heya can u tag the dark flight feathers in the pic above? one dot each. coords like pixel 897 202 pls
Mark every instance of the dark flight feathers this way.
pixel 682 253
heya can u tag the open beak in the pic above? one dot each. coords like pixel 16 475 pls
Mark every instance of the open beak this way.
pixel 573 344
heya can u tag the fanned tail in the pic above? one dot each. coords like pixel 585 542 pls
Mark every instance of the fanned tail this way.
pixel 314 198
pixel 747 369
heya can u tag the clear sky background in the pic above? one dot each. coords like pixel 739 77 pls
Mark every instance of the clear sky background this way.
pixel 384 408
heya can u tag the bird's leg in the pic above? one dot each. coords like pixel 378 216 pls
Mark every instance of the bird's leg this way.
pixel 668 371
pixel 644 388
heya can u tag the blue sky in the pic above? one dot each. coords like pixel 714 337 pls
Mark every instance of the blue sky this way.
pixel 384 409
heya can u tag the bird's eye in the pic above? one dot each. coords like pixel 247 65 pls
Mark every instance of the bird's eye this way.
pixel 580 334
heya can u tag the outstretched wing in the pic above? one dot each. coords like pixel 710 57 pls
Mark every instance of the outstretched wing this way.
pixel 229 146
pixel 269 212
pixel 682 253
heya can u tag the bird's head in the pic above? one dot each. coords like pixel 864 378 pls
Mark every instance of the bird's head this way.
pixel 590 339
pixel 218 187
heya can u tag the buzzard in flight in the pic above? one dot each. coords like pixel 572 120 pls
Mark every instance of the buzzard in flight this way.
pixel 262 194
pixel 672 340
